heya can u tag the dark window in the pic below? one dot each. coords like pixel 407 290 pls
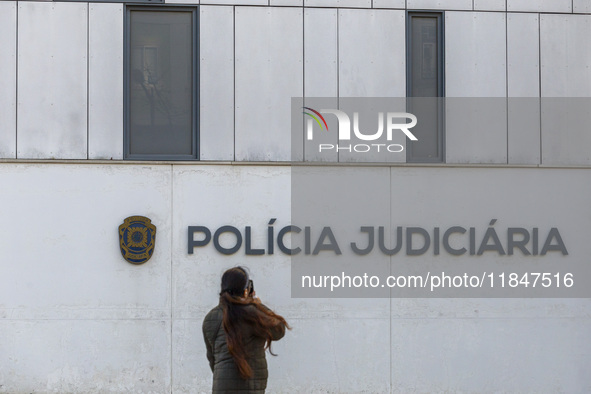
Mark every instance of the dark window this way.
pixel 160 83
pixel 425 85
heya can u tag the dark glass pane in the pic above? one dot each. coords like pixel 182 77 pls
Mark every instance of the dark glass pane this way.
pixel 425 86
pixel 161 83
pixel 426 130
pixel 424 57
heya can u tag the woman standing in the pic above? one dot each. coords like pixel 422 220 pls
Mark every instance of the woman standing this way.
pixel 237 332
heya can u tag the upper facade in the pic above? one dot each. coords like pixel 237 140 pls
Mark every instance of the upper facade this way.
pixel 213 80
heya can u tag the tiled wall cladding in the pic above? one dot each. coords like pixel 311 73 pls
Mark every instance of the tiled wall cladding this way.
pixel 61 92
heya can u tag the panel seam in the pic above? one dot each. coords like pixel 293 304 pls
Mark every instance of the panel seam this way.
pixel 171 275
pixel 540 79
pixel 507 82
pixel 16 54
pixel 234 74
pixel 303 83
pixel 390 271
pixel 338 69
pixel 88 81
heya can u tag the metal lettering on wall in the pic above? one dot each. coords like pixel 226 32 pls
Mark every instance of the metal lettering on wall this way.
pixel 137 238
pixel 316 241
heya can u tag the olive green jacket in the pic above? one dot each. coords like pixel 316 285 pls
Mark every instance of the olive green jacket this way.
pixel 226 378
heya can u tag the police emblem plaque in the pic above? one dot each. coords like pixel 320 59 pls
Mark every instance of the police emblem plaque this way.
pixel 137 238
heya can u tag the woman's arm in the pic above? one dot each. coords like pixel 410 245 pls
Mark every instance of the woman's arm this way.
pixel 210 328
pixel 209 348
pixel 278 328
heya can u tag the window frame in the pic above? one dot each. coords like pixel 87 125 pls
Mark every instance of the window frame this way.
pixel 440 16
pixel 127 155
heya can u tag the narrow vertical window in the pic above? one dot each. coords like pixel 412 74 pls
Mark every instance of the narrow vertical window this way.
pixel 425 85
pixel 160 86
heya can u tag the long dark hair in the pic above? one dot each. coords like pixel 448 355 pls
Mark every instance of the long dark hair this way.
pixel 234 282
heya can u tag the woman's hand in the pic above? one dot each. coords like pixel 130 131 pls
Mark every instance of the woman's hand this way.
pixel 255 299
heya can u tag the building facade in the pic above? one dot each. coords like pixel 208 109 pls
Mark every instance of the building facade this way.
pixel 181 111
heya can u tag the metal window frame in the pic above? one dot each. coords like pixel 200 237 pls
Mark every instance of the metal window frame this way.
pixel 440 16
pixel 127 155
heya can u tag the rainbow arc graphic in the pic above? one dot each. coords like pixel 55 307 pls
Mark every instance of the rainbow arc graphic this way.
pixel 318 115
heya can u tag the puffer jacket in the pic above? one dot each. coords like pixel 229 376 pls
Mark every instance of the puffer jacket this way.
pixel 226 378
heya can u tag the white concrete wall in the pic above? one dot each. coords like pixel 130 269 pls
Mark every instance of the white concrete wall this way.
pixel 72 317
pixel 565 89
pixel 105 81
pixel 561 6
pixel 75 317
pixel 52 110
pixel 523 88
pixel 216 79
pixel 475 66
pixel 371 63
pixel 74 108
pixel 269 71
pixel 8 80
pixel 321 70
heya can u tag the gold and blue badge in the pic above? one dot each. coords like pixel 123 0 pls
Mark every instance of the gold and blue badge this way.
pixel 137 238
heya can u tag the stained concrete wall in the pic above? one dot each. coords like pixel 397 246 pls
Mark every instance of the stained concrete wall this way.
pixel 76 317
pixel 356 48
